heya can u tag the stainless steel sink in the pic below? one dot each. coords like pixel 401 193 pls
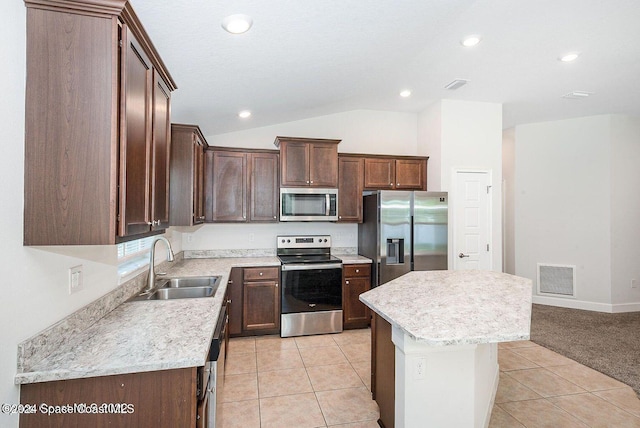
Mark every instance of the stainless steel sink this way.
pixel 193 281
pixel 182 293
pixel 182 288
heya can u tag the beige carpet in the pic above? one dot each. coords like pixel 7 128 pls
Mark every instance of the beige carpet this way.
pixel 609 343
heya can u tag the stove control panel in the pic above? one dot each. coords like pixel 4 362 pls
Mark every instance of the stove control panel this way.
pixel 308 241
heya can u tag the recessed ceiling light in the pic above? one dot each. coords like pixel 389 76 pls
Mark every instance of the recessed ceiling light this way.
pixel 244 114
pixel 405 94
pixel 470 41
pixel 237 24
pixel 569 57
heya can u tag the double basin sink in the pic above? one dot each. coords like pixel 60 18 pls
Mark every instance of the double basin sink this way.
pixel 182 288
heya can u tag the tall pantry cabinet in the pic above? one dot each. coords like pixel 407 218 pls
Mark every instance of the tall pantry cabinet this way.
pixel 97 140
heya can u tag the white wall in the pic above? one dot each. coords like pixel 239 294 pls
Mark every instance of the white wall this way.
pixel 361 131
pixel 508 208
pixel 430 142
pixel 469 137
pixel 625 211
pixel 562 203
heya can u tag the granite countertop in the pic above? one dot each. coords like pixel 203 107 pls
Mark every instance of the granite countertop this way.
pixel 142 336
pixel 455 307
pixel 351 259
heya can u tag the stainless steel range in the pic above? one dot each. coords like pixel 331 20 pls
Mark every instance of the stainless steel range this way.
pixel 311 286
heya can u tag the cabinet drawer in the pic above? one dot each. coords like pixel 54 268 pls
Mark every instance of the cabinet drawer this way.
pixel 261 273
pixel 351 271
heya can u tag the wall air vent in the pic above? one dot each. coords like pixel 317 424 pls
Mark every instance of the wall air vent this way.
pixel 556 280
pixel 455 84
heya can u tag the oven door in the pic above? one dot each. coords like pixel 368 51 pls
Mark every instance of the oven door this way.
pixel 311 287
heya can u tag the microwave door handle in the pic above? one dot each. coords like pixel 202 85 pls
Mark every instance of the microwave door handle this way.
pixel 327 204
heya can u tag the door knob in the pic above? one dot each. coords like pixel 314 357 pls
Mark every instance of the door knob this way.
pixel 462 255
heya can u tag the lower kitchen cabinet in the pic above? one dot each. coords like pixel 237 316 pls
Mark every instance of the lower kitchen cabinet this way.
pixel 356 279
pixel 255 301
pixel 166 398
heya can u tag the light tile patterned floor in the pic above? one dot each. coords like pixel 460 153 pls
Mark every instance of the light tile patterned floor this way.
pixel 324 381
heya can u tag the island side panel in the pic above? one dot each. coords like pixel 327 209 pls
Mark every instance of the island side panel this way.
pixel 159 398
pixel 383 370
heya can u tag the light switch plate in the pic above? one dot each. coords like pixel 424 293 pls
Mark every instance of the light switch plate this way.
pixel 75 279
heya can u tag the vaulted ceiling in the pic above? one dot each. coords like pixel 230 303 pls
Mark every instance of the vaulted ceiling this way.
pixel 306 58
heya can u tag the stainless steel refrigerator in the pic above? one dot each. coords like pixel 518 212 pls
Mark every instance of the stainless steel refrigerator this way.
pixel 403 231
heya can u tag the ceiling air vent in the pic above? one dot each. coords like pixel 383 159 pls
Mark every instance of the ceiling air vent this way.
pixel 455 84
pixel 577 95
pixel 557 280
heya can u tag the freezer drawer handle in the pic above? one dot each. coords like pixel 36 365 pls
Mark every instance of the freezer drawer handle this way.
pixel 463 255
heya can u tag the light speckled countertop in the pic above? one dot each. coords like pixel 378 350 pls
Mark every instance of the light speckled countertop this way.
pixel 144 336
pixel 455 307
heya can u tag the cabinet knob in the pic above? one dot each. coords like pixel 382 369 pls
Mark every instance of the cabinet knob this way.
pixel 230 281
pixel 339 216
pixel 274 217
pixel 357 270
pixel 346 282
pixel 307 181
pixel 260 273
pixel 311 181
pixel 229 302
pixel 276 285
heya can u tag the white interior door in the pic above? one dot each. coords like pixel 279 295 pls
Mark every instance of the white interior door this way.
pixel 472 227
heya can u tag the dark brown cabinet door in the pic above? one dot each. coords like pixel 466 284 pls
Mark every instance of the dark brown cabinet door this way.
pixel 350 182
pixel 357 280
pixel 198 181
pixel 411 174
pixel 295 164
pixel 379 173
pixel 161 146
pixel 261 306
pixel 264 186
pixel 135 167
pixel 323 165
pixel 187 175
pixel 261 300
pixel 228 187
pixel 234 306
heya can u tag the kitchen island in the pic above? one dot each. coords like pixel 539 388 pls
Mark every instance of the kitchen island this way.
pixel 434 348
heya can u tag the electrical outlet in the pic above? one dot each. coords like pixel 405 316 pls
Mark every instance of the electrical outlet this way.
pixel 75 279
pixel 634 284
pixel 421 368
pixel 252 237
pixel 190 238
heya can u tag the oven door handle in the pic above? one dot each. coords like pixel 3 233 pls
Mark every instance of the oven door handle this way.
pixel 327 204
pixel 312 266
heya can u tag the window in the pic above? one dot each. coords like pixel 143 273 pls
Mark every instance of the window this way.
pixel 133 257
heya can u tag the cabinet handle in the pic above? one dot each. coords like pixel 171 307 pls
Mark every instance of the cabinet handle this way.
pixel 229 302
pixel 230 281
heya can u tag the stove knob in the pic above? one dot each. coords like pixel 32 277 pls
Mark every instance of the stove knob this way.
pixel 325 239
pixel 283 241
pixel 288 241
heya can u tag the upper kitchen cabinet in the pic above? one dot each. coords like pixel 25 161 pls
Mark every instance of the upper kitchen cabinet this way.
pixel 97 137
pixel 399 173
pixel 241 185
pixel 187 175
pixel 308 162
pixel 350 184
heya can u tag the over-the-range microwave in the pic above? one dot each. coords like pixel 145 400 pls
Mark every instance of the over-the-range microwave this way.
pixel 308 204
